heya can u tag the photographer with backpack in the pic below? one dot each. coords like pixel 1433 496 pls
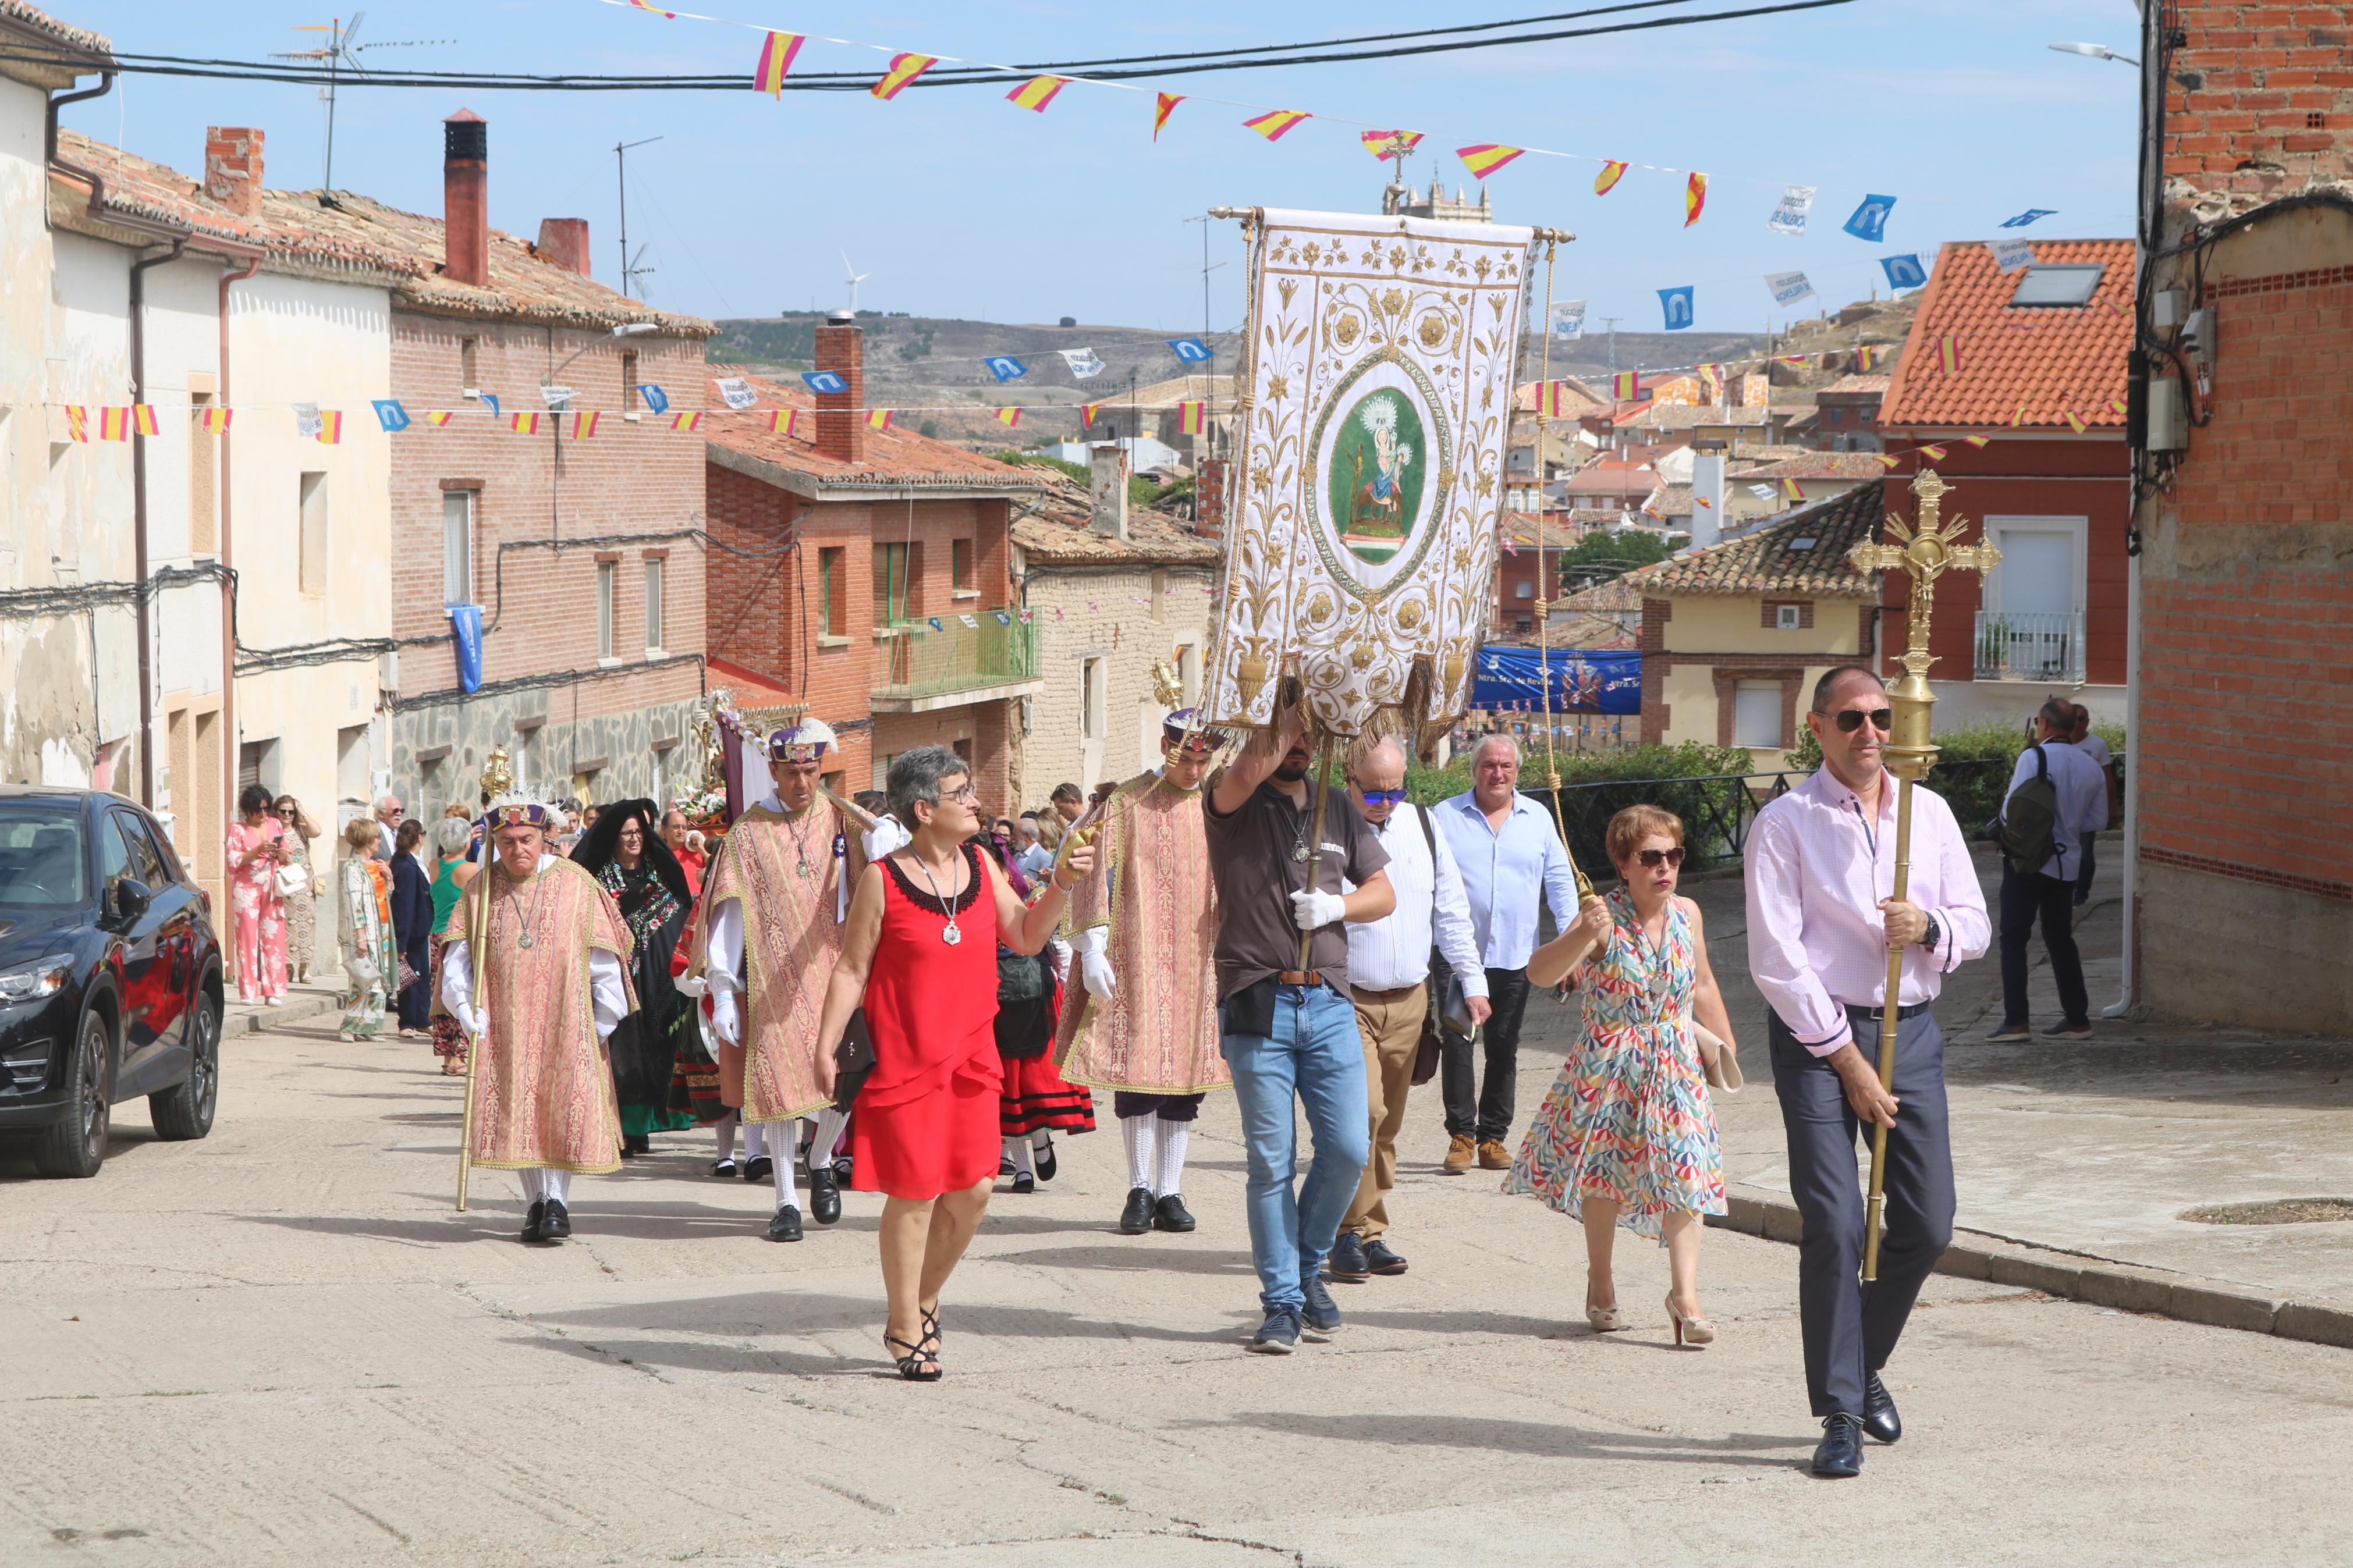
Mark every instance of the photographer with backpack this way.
pixel 2058 798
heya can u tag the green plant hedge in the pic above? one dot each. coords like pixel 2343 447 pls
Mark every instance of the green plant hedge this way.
pixel 1973 765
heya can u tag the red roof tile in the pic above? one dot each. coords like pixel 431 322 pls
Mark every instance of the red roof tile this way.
pixel 895 456
pixel 32 18
pixel 2050 359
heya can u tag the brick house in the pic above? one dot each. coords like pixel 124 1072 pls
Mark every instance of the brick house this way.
pixel 868 576
pixel 1846 414
pixel 1735 634
pixel 2245 570
pixel 583 553
pixel 2038 347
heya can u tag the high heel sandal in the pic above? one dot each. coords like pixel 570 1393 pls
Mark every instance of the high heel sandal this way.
pixel 1693 1331
pixel 911 1366
pixel 1605 1319
pixel 931 1333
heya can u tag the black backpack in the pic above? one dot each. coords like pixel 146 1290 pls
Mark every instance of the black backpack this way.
pixel 2028 827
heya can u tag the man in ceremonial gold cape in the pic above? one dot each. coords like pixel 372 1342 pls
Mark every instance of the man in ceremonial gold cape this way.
pixel 558 984
pixel 1144 1021
pixel 769 932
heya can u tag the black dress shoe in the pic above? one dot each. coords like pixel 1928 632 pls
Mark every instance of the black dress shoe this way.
pixel 825 1195
pixel 786 1223
pixel 1136 1219
pixel 1380 1259
pixel 1045 1161
pixel 759 1169
pixel 636 1143
pixel 1879 1417
pixel 841 1169
pixel 1345 1261
pixel 723 1169
pixel 1004 1164
pixel 1170 1214
pixel 558 1223
pixel 533 1220
pixel 1024 1183
pixel 1841 1453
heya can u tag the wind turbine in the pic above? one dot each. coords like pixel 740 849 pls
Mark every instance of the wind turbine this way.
pixel 856 278
pixel 342 55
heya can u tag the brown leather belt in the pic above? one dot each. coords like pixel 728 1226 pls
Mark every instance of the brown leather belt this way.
pixel 1302 977
pixel 1397 993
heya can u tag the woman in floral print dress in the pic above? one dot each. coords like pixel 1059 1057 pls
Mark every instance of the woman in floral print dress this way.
pixel 1627 1137
pixel 371 964
pixel 256 850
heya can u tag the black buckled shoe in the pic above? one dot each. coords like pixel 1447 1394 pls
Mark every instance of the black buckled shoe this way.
pixel 1024 1183
pixel 534 1220
pixel 786 1225
pixel 1171 1215
pixel 825 1195
pixel 759 1169
pixel 1380 1259
pixel 1136 1219
pixel 1841 1453
pixel 1879 1417
pixel 1345 1262
pixel 1045 1161
pixel 724 1169
pixel 557 1225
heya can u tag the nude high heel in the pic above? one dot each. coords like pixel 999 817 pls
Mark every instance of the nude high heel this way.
pixel 1693 1331
pixel 1605 1319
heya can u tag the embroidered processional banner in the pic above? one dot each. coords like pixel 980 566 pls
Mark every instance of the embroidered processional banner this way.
pixel 1380 376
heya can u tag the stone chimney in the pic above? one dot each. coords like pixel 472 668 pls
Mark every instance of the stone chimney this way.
pixel 1109 518
pixel 466 198
pixel 841 422
pixel 233 168
pixel 565 241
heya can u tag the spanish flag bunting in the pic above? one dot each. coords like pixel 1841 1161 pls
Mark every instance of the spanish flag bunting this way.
pixel 1189 416
pixel 2074 421
pixel 1037 92
pixel 1792 490
pixel 437 417
pixel 1275 123
pixel 1703 501
pixel 784 421
pixel 1695 198
pixel 1606 181
pixel 524 424
pixel 648 5
pixel 904 68
pixel 143 418
pixel 1008 416
pixel 1887 459
pixel 1936 454
pixel 215 421
pixel 2018 418
pixel 114 424
pixel 1711 381
pixel 1949 354
pixel 776 58
pixel 583 424
pixel 1483 158
pixel 331 426
pixel 877 420
pixel 77 421
pixel 1978 441
pixel 686 421
pixel 1386 144
pixel 2115 406
pixel 1087 412
pixel 1163 110
pixel 1627 385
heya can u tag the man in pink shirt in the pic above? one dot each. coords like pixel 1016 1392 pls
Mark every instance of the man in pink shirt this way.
pixel 1821 867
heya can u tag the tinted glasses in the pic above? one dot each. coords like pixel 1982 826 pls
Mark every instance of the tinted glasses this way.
pixel 1653 859
pixel 1852 720
pixel 1383 796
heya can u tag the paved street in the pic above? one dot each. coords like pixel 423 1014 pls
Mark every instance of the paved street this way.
pixel 281 1345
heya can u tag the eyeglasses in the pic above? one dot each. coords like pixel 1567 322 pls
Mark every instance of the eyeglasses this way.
pixel 1882 719
pixel 1653 859
pixel 1383 796
pixel 963 794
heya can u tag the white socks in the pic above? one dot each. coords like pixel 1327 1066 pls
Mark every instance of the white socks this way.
pixel 783 1138
pixel 540 1186
pixel 829 1124
pixel 1137 1131
pixel 756 1140
pixel 1025 1161
pixel 1043 1139
pixel 1174 1136
pixel 723 1132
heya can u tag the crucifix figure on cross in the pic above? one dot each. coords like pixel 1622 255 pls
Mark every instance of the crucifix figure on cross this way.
pixel 1924 551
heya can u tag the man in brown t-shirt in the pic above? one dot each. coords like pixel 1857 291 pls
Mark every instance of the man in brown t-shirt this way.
pixel 1287 1032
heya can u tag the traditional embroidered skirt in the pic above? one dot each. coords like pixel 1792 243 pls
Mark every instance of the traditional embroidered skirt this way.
pixel 1037 1096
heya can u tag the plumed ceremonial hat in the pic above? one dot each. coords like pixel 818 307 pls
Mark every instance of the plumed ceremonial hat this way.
pixel 1180 730
pixel 804 742
pixel 517 809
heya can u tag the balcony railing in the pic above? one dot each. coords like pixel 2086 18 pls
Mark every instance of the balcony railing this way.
pixel 941 656
pixel 2033 645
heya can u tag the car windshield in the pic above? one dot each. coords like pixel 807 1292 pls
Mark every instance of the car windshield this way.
pixel 42 864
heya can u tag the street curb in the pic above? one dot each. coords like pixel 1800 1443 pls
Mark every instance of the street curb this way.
pixel 2079 1279
pixel 239 1020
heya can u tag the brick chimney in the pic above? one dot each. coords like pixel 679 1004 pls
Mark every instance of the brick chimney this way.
pixel 565 241
pixel 1108 463
pixel 466 198
pixel 841 426
pixel 233 167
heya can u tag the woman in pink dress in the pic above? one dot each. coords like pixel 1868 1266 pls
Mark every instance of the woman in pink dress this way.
pixel 256 850
pixel 923 958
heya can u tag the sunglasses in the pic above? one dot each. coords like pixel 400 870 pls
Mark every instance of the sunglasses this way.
pixel 1383 796
pixel 1882 719
pixel 1654 859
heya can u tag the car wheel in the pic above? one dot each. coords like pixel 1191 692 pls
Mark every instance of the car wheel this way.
pixel 186 1109
pixel 76 1145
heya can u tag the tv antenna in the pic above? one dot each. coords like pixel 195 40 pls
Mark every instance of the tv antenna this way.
pixel 629 268
pixel 342 55
pixel 856 278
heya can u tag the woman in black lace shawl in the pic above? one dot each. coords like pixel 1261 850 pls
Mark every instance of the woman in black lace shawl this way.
pixel 626 851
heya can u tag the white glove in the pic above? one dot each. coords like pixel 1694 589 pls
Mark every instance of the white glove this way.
pixel 1094 969
pixel 725 1021
pixel 474 1021
pixel 693 985
pixel 1316 909
pixel 886 834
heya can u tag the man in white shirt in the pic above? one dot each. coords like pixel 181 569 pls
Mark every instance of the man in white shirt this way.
pixel 2092 746
pixel 1388 974
pixel 2048 892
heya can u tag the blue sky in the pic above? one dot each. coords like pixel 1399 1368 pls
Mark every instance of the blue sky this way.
pixel 961 205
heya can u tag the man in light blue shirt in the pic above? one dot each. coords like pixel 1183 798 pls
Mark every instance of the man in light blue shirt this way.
pixel 2047 893
pixel 1506 848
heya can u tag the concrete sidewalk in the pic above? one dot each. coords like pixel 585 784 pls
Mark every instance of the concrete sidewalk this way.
pixel 2077 1160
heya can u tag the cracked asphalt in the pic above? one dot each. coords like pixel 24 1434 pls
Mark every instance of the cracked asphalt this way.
pixel 280 1344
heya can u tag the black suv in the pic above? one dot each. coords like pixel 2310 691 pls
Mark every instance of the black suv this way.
pixel 110 977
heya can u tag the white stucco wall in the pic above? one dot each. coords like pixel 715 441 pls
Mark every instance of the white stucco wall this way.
pixel 1111 616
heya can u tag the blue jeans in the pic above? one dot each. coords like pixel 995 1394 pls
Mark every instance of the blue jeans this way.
pixel 1315 1053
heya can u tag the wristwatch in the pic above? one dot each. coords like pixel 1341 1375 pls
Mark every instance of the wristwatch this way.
pixel 1933 934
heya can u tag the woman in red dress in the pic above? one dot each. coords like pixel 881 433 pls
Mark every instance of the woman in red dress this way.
pixel 920 951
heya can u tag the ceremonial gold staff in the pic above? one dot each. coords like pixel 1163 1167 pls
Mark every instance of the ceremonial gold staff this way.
pixel 1544 603
pixel 496 781
pixel 1923 553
